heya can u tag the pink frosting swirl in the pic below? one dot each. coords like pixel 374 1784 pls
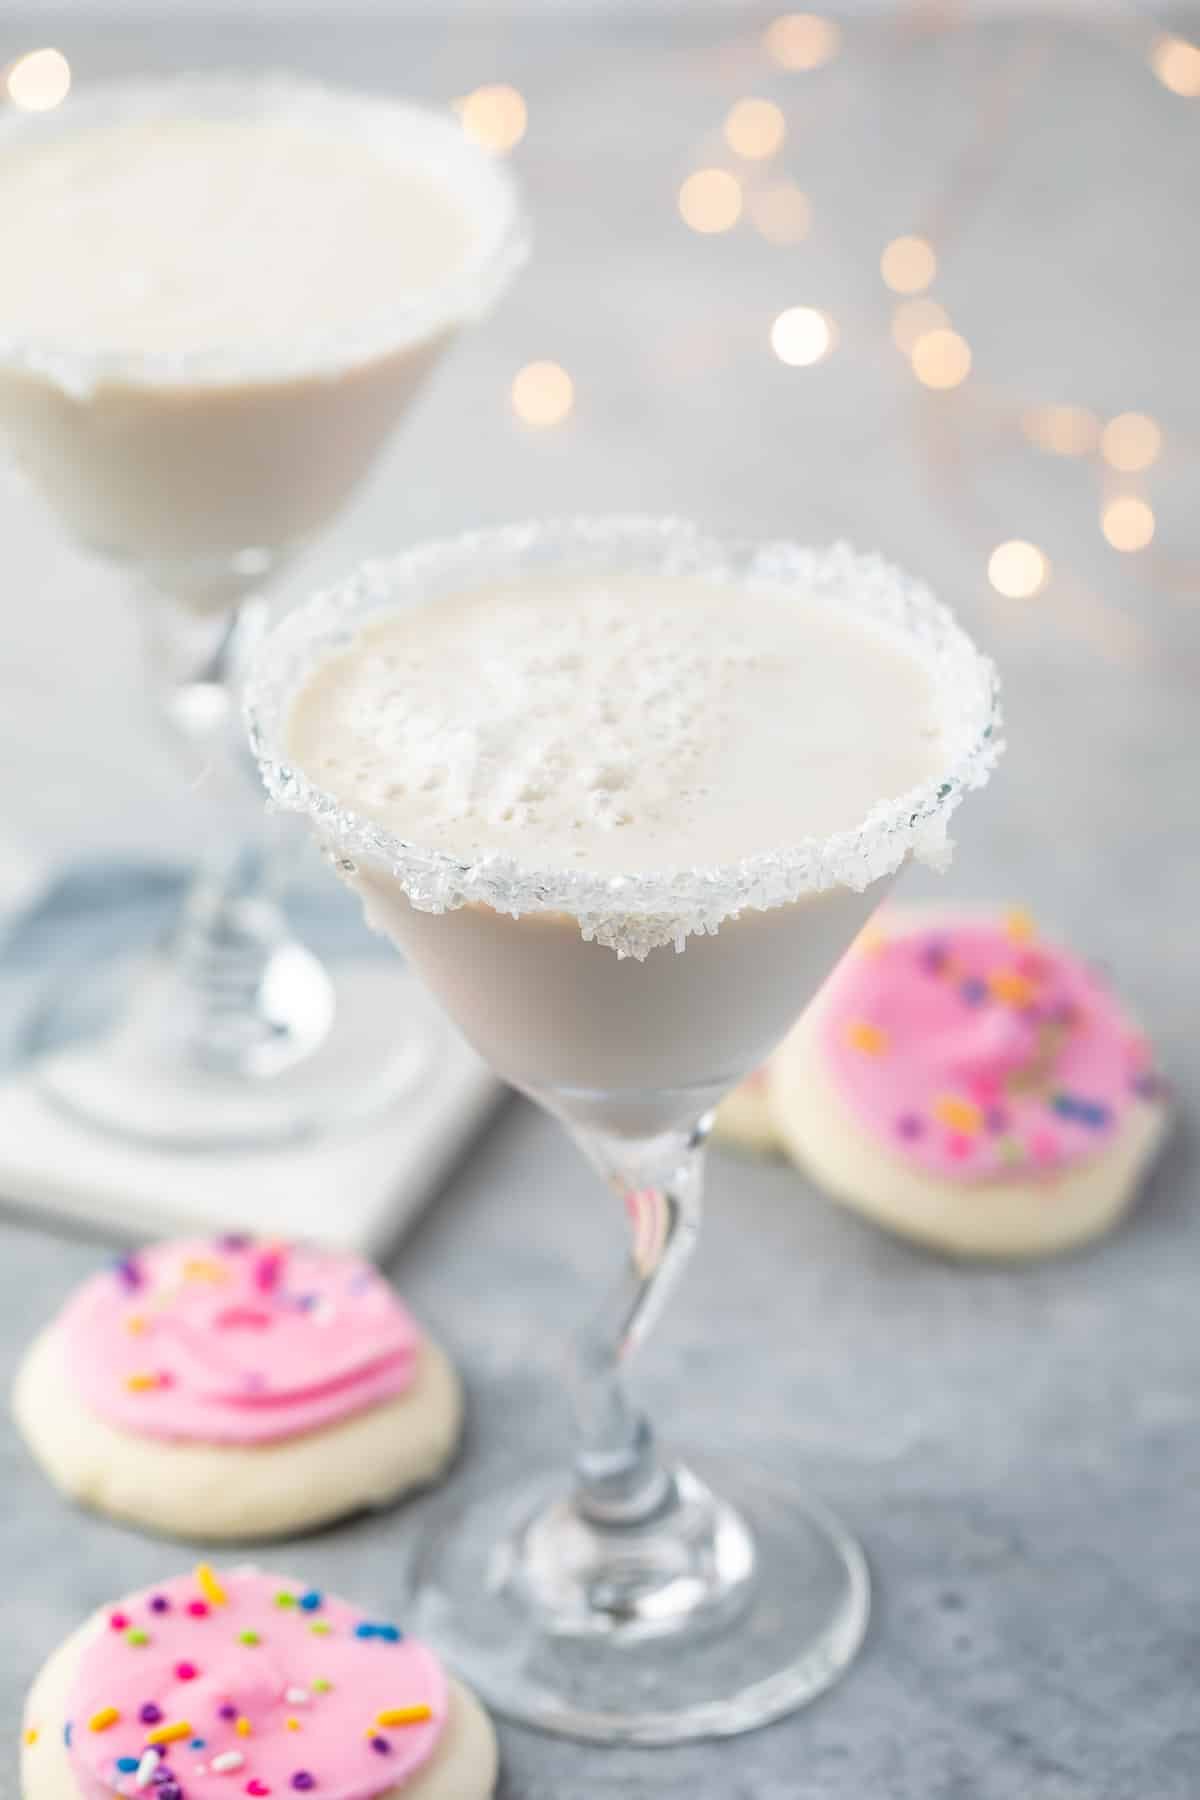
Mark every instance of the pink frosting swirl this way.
pixel 977 1051
pixel 216 1685
pixel 229 1341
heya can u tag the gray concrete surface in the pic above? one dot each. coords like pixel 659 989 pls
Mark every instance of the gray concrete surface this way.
pixel 1019 1450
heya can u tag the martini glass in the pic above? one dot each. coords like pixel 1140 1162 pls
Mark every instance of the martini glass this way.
pixel 201 471
pixel 644 1596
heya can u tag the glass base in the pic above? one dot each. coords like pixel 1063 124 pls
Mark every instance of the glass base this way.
pixel 748 1613
pixel 107 1048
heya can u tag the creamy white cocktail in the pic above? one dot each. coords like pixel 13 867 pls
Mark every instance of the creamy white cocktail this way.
pixel 625 725
pixel 624 794
pixel 219 298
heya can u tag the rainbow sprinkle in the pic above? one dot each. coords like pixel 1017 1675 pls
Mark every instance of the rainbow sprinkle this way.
pixel 31 1736
pixel 144 1381
pixel 249 1637
pixel 203 1268
pixel 872 1040
pixel 1018 923
pixel 102 1720
pixel 1011 989
pixel 227 1762
pixel 169 1734
pixel 404 1715
pixel 146 1768
pixel 244 1728
pixel 958 1115
pixel 137 1637
pixel 209 1586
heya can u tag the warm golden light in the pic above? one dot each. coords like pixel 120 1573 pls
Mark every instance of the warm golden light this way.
pixel 755 129
pixel 1127 522
pixel 801 40
pixel 912 319
pixel 908 265
pixel 40 81
pixel 542 394
pixel 1177 65
pixel 941 359
pixel 802 336
pixel 1018 570
pixel 1130 442
pixel 494 116
pixel 711 200
pixel 1062 430
pixel 781 212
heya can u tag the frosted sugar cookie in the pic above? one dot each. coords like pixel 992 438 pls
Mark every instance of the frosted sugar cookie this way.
pixel 221 1684
pixel 744 1120
pixel 972 1085
pixel 229 1388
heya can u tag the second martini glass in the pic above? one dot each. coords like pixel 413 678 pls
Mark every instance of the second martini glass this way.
pixel 644 1598
pixel 221 296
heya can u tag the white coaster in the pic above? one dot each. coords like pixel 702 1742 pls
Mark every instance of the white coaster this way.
pixel 357 1190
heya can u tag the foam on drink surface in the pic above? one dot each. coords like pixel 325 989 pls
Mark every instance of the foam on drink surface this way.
pixel 621 724
pixel 176 234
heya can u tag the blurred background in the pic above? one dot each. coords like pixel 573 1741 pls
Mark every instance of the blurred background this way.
pixel 923 276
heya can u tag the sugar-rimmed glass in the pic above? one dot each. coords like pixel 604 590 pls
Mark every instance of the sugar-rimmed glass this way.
pixel 202 472
pixel 644 1598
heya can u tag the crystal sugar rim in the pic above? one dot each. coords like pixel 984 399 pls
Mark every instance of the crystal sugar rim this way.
pixel 640 911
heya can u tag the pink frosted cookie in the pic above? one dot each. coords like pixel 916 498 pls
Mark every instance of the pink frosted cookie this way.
pixel 972 1085
pixel 231 1388
pixel 216 1685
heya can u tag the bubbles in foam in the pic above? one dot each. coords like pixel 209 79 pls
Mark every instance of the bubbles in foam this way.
pixel 672 721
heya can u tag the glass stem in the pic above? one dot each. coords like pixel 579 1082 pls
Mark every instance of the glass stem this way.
pixel 242 998
pixel 619 1477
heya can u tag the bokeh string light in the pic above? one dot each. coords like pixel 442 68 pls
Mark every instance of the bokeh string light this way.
pixel 1130 442
pixel 780 212
pixel 1176 62
pixel 542 394
pixel 1061 430
pixel 1127 522
pixel 801 41
pixel 908 265
pixel 39 81
pixel 495 117
pixel 801 336
pixel 755 129
pixel 710 200
pixel 941 358
pixel 1018 569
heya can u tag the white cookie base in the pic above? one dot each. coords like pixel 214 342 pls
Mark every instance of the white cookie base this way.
pixel 1007 1219
pixel 222 1492
pixel 744 1121
pixel 463 1767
